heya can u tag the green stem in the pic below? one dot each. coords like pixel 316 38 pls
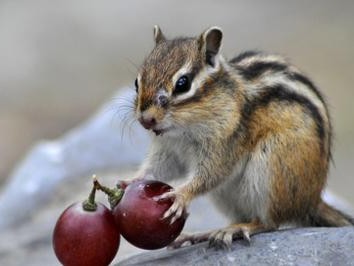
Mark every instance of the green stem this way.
pixel 114 195
pixel 90 204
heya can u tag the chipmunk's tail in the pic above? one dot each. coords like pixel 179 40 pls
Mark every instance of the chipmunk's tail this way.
pixel 328 216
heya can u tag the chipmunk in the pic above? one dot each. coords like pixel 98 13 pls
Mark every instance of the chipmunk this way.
pixel 252 131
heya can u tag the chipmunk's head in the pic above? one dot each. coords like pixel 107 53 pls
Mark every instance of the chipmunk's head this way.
pixel 170 82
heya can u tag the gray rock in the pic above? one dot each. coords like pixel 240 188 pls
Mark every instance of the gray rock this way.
pixel 303 246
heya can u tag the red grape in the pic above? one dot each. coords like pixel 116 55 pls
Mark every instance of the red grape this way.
pixel 139 216
pixel 86 237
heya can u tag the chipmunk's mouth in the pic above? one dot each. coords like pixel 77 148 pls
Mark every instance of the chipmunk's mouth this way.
pixel 160 131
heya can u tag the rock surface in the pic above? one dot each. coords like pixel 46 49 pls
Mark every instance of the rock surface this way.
pixel 303 246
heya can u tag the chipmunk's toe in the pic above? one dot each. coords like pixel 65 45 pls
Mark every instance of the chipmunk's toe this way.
pixel 189 239
pixel 177 209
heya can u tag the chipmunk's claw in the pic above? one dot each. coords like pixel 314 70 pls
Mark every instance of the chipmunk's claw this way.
pixel 177 209
pixel 184 240
pixel 222 239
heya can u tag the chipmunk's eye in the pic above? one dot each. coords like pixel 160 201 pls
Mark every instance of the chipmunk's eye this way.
pixel 136 85
pixel 182 85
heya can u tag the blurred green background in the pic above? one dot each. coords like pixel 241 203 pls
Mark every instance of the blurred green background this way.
pixel 60 60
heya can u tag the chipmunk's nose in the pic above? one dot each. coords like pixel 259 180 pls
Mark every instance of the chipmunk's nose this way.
pixel 148 121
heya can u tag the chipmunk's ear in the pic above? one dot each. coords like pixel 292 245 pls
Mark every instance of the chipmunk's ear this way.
pixel 158 35
pixel 210 43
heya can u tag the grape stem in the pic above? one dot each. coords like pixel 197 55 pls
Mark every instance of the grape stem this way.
pixel 114 195
pixel 90 204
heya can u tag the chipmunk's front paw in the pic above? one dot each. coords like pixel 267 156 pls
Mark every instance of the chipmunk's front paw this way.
pixel 178 208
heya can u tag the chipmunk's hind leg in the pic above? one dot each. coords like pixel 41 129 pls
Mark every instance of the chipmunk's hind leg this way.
pixel 223 238
pixel 187 239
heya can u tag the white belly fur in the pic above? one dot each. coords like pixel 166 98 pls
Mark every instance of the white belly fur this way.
pixel 245 195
